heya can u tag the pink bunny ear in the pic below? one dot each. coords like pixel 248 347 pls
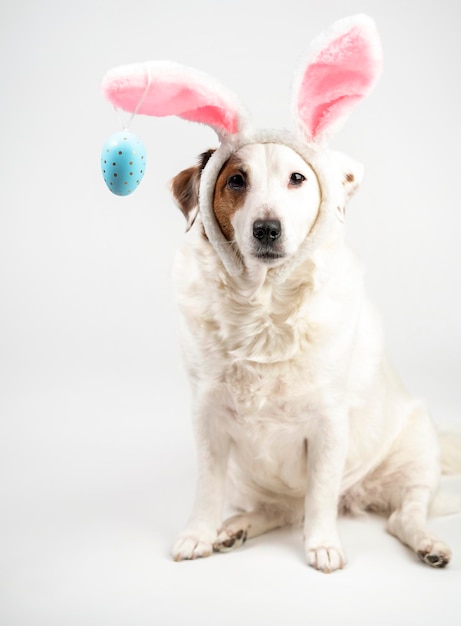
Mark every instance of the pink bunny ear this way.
pixel 162 88
pixel 346 64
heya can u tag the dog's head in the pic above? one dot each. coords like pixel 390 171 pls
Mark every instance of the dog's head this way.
pixel 263 191
pixel 266 198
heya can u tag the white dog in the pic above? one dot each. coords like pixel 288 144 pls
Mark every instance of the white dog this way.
pixel 294 400
pixel 298 414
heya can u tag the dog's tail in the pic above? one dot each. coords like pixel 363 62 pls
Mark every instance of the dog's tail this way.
pixel 450 446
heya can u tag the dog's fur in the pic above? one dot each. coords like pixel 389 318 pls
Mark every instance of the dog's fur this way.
pixel 297 412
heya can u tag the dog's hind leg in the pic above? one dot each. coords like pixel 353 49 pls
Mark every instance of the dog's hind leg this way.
pixel 409 524
pixel 413 480
pixel 237 529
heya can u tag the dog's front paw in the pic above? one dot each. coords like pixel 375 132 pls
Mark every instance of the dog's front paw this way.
pixel 193 544
pixel 326 558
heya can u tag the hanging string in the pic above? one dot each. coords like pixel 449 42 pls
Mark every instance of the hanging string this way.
pixel 138 106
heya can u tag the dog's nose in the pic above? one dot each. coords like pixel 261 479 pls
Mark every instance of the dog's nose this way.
pixel 267 231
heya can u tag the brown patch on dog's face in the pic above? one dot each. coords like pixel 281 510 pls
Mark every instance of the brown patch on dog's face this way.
pixel 230 193
pixel 349 177
pixel 185 187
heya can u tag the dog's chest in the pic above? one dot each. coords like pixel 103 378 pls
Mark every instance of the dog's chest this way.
pixel 268 417
pixel 270 327
pixel 265 359
pixel 267 351
pixel 258 392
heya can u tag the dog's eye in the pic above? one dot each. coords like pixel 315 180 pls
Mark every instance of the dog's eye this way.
pixel 297 179
pixel 236 182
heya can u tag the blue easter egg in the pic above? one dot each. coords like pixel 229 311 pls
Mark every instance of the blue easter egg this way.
pixel 123 162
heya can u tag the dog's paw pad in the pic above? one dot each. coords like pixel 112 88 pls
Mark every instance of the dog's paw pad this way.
pixel 228 540
pixel 326 559
pixel 435 554
pixel 191 546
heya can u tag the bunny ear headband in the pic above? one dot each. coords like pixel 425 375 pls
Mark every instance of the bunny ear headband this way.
pixel 345 63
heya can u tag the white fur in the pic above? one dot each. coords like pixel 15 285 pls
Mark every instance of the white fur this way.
pixel 296 409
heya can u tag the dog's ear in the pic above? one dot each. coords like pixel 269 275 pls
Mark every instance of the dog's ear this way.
pixel 345 64
pixel 185 188
pixel 349 171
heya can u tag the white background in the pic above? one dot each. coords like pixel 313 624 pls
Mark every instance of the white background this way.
pixel 97 459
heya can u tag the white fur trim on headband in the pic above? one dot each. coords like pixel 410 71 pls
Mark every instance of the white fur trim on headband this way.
pixel 329 181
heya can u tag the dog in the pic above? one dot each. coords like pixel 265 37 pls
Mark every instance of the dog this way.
pixel 295 402
pixel 298 413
